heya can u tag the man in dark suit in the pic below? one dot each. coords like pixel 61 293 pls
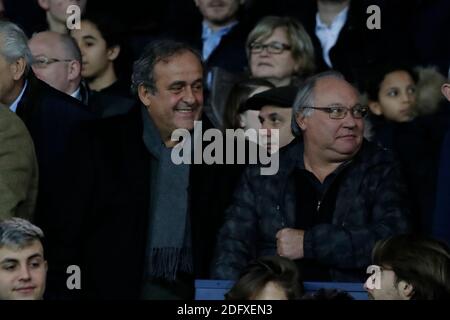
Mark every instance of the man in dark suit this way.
pixel 137 224
pixel 52 117
pixel 220 36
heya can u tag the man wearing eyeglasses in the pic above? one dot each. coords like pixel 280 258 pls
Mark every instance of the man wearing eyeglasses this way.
pixel 334 196
pixel 57 61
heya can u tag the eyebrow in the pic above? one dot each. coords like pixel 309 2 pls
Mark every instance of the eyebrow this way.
pixel 183 83
pixel 88 37
pixel 274 115
pixel 9 260
pixel 177 83
pixel 36 255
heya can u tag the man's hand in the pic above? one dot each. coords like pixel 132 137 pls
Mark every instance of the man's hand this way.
pixel 290 243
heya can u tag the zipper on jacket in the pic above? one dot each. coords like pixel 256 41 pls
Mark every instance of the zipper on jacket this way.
pixel 318 206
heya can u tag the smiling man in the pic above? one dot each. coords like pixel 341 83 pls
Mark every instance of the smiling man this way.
pixel 162 217
pixel 23 268
pixel 334 196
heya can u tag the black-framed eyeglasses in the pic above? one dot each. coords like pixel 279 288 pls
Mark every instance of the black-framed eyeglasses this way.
pixel 43 61
pixel 273 47
pixel 338 111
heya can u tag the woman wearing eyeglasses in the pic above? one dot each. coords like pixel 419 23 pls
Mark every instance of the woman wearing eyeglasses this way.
pixel 280 50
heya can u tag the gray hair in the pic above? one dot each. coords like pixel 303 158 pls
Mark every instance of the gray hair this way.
pixel 305 98
pixel 14 44
pixel 18 233
pixel 160 50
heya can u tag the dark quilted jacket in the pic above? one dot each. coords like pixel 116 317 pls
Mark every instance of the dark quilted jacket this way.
pixel 371 204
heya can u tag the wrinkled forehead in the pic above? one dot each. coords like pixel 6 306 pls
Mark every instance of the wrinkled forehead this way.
pixel 331 90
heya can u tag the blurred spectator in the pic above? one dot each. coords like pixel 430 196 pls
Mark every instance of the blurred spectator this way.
pixel 415 140
pixel 23 268
pixel 18 168
pixel 2 10
pixel 57 61
pixel 275 113
pixel 268 278
pixel 53 118
pixel 56 13
pixel 392 93
pixel 334 196
pixel 220 37
pixel 280 50
pixel 219 34
pixel 105 63
pixel 411 268
pixel 342 39
pixel 441 221
pixel 429 98
pixel 236 114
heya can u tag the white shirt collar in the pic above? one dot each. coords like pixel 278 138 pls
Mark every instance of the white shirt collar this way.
pixel 13 106
pixel 208 32
pixel 77 94
pixel 328 35
pixel 337 23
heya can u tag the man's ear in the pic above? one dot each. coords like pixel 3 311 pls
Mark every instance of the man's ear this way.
pixel 405 290
pixel 44 4
pixel 17 68
pixel 301 121
pixel 446 90
pixel 196 2
pixel 375 108
pixel 145 95
pixel 242 121
pixel 74 70
pixel 113 53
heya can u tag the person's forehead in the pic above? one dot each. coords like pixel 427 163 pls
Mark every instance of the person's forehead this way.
pixel 278 34
pixel 45 43
pixel 21 254
pixel 225 2
pixel 333 90
pixel 87 29
pixel 182 65
pixel 268 110
pixel 396 78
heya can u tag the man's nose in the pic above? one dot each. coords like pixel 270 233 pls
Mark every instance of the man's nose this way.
pixel 25 274
pixel 349 120
pixel 189 96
